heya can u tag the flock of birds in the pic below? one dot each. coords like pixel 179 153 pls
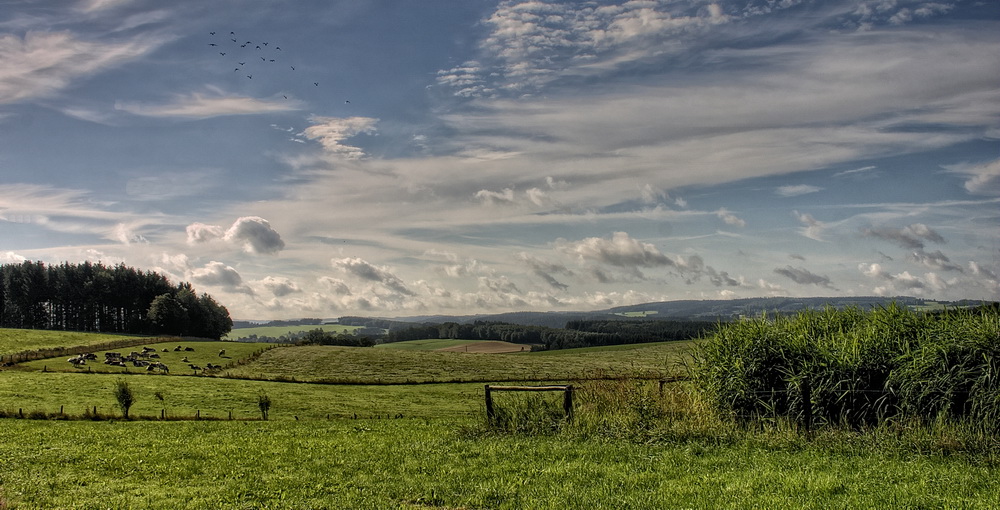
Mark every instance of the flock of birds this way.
pixel 250 55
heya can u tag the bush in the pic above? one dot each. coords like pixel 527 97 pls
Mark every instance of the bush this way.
pixel 854 367
pixel 124 396
pixel 264 404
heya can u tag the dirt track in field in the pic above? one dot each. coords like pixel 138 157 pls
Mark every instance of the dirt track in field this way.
pixel 488 347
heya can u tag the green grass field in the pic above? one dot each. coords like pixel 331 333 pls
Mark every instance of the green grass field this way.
pixel 378 464
pixel 378 445
pixel 425 345
pixel 277 331
pixel 375 366
pixel 204 352
pixel 20 340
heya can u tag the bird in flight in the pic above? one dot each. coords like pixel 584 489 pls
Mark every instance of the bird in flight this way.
pixel 222 53
pixel 212 44
pixel 213 33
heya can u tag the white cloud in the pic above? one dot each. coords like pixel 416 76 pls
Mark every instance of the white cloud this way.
pixel 794 190
pixel 983 179
pixel 202 106
pixel 279 286
pixel 621 250
pixel 220 275
pixel 730 218
pixel 252 233
pixel 255 235
pixel 813 227
pixel 367 271
pixel 41 64
pixel 332 131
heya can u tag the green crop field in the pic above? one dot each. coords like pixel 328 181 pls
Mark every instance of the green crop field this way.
pixel 277 331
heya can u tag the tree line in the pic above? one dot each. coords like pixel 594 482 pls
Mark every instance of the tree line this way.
pixel 108 299
pixel 582 333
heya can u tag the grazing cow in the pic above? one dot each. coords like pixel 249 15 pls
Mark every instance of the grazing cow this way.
pixel 222 353
pixel 178 348
pixel 189 348
pixel 185 360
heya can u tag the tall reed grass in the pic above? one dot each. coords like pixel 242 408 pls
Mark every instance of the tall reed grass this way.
pixel 857 368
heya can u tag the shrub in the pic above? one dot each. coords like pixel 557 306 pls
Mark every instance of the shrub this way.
pixel 854 367
pixel 264 404
pixel 124 395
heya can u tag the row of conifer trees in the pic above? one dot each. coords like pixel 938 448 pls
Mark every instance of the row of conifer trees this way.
pixel 109 299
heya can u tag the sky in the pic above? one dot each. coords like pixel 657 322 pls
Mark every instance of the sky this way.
pixel 322 158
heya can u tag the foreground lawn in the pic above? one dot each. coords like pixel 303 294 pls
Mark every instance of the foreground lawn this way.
pixel 418 463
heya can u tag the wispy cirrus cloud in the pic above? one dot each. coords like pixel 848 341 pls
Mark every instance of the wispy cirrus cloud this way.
pixel 202 106
pixel 41 64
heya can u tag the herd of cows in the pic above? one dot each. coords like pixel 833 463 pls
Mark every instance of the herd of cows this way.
pixel 147 358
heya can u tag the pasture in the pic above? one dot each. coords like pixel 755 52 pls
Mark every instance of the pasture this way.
pixel 277 331
pixel 19 340
pixel 331 364
pixel 404 428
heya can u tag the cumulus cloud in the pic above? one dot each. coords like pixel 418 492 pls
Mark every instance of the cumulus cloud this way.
pixel 252 233
pixel 910 237
pixel 335 285
pixel 803 276
pixel 367 271
pixel 218 274
pixel 730 218
pixel 255 235
pixel 621 250
pixel 200 233
pixel 279 286
pixel 981 179
pixel 332 131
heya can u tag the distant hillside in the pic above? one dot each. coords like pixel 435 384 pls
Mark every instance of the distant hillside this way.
pixel 704 310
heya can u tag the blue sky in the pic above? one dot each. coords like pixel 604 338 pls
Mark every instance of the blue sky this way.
pixel 397 158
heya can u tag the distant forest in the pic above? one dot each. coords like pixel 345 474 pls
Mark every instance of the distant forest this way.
pixel 99 298
pixel 577 333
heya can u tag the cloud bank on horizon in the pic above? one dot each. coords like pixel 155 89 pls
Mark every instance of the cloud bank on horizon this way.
pixel 396 158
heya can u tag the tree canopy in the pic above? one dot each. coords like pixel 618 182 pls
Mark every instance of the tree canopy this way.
pixel 108 299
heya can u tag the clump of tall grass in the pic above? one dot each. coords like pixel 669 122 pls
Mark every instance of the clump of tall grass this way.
pixel 854 367
pixel 527 413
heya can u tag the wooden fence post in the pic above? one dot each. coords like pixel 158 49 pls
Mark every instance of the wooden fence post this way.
pixel 489 406
pixel 568 402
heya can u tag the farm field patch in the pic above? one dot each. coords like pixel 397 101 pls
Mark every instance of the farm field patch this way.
pixel 416 463
pixel 379 366
pixel 216 397
pixel 448 345
pixel 277 331
pixel 20 340
pixel 172 353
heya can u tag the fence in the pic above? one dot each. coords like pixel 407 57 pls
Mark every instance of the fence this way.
pixel 566 389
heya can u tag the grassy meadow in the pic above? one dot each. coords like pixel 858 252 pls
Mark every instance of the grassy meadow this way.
pixel 19 340
pixel 404 427
pixel 277 331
